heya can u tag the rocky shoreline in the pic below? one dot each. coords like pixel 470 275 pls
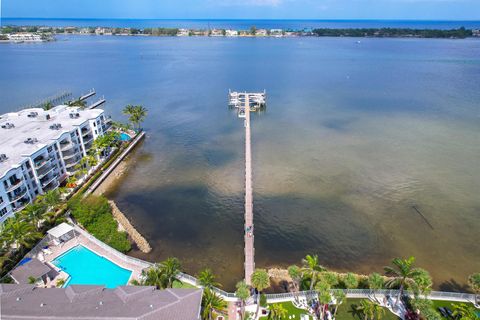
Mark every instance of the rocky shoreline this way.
pixel 139 240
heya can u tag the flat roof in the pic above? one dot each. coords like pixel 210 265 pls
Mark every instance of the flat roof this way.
pixel 33 268
pixel 60 230
pixel 12 143
pixel 97 302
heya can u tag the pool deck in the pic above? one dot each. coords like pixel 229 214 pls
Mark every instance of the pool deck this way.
pixel 58 250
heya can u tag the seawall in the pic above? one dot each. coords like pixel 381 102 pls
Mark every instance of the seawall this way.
pixel 139 240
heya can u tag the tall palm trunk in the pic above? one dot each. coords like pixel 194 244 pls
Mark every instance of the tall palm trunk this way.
pixel 312 282
pixel 258 305
pixel 400 293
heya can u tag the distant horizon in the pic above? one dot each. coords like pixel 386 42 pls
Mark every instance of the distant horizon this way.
pixel 243 19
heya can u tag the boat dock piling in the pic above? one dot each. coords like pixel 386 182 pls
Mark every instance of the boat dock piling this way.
pixel 87 95
pixel 246 103
pixel 98 103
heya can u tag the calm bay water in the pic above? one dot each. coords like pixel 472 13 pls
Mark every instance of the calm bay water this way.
pixel 354 136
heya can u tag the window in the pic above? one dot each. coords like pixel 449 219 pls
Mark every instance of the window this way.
pixel 1 200
pixel 49 149
pixel 3 212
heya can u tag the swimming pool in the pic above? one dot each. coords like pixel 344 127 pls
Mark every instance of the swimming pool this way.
pixel 124 137
pixel 86 267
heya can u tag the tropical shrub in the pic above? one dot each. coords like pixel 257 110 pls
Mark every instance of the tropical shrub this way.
pixel 95 214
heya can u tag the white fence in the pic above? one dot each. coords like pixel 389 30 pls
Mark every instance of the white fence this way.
pixel 368 293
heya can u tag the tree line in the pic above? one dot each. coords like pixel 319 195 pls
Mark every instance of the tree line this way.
pixel 459 33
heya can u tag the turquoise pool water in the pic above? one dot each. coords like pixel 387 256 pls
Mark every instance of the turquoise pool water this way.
pixel 86 267
pixel 124 137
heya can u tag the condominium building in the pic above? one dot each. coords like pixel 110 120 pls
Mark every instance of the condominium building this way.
pixel 39 149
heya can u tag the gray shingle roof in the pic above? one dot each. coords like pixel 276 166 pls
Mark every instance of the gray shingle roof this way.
pixel 97 302
pixel 33 268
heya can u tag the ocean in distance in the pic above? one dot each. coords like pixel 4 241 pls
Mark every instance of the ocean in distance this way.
pixel 242 24
pixel 354 136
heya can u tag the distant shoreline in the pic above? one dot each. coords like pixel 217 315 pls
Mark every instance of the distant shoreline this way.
pixel 252 32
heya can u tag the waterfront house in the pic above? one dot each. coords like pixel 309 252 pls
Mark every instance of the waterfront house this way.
pixel 231 33
pixel 40 149
pixel 276 32
pixel 261 33
pixel 183 32
pixel 25 36
pixel 97 302
pixel 217 33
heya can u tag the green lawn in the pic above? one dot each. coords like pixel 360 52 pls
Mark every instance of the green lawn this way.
pixel 183 285
pixel 292 310
pixel 345 311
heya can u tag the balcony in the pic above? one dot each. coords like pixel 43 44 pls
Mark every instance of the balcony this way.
pixel 17 195
pixel 15 185
pixel 51 186
pixel 69 155
pixel 72 164
pixel 43 173
pixel 85 131
pixel 21 205
pixel 41 163
pixel 87 139
pixel 48 181
pixel 66 146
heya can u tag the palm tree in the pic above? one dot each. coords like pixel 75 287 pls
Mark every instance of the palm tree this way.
pixel 152 276
pixel 464 312
pixel 324 296
pixel 350 280
pixel 51 198
pixel 312 268
pixel 296 275
pixel 330 277
pixel 402 273
pixel 261 281
pixel 136 114
pixel 277 312
pixel 243 293
pixel 371 310
pixel 19 233
pixel 206 279
pixel 423 282
pixel 375 282
pixel 474 283
pixel 340 297
pixel 170 269
pixel 212 304
pixel 33 213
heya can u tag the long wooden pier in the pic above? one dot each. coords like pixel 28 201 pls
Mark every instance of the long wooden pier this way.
pixel 249 236
pixel 245 104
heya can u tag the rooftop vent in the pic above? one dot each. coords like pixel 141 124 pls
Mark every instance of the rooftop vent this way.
pixel 31 140
pixel 56 126
pixel 8 125
pixel 3 157
pixel 32 114
pixel 74 115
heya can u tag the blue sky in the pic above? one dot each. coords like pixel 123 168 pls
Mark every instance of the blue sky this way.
pixel 245 9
